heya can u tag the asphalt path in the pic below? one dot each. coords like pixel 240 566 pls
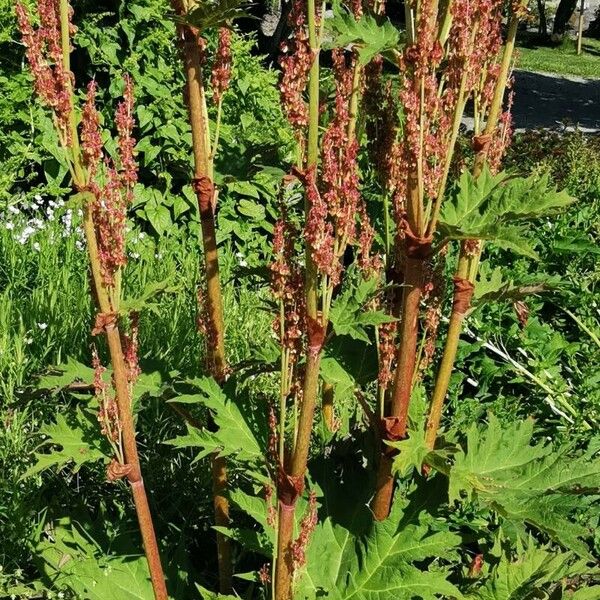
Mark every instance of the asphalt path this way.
pixel 545 100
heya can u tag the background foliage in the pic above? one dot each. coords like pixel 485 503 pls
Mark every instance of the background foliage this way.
pixel 545 368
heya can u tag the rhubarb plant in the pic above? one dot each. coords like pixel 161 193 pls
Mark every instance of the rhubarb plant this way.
pixel 335 473
pixel 103 188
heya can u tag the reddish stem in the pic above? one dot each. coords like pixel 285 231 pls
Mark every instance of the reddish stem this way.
pixel 204 188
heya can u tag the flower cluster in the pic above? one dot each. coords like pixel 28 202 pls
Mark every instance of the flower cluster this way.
pixel 52 81
pixel 129 341
pixel 381 122
pixel 337 214
pixel 387 353
pixel 434 296
pixel 502 137
pixel 307 526
pixel 112 188
pixel 91 140
pixel 108 414
pixel 438 82
pixel 295 61
pixel 125 123
pixel 287 284
pixel 221 71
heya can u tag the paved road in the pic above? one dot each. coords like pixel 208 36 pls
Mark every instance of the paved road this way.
pixel 546 100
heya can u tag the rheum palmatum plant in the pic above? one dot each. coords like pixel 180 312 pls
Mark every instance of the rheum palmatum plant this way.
pixel 335 219
pixel 103 188
pixel 457 54
pixel 192 18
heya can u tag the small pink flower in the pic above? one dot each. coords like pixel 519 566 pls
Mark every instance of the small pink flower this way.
pixel 91 139
pixel 295 62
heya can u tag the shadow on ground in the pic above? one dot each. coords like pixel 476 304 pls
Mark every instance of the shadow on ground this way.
pixel 545 100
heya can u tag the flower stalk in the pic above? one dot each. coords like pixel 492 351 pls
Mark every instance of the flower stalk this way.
pixel 441 66
pixel 470 250
pixel 104 191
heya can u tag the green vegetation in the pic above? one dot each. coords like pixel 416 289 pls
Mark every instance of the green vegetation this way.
pixel 560 59
pixel 505 506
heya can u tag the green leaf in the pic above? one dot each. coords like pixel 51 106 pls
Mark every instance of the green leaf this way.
pixel 149 148
pixel 79 438
pixel 525 576
pixel 251 209
pixel 378 566
pixel 217 13
pixel 333 373
pixel 412 453
pixel 208 595
pixel 159 216
pixel 525 483
pixel 348 315
pixel 71 559
pixel 233 435
pixel 65 374
pixel 145 301
pixel 528 198
pixel 488 207
pixel 587 593
pixel 370 35
pixel 463 211
pixel 490 285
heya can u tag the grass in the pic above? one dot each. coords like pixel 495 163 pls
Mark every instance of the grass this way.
pixel 561 59
pixel 46 316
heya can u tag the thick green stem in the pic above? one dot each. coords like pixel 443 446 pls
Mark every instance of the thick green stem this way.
pixel 448 357
pixel 354 99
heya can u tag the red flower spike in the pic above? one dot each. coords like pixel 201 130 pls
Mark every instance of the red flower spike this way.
pixel 295 63
pixel 307 526
pixel 52 82
pixel 221 71
pixel 91 139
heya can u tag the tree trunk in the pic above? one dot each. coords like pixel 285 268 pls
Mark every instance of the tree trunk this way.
pixel 543 22
pixel 564 12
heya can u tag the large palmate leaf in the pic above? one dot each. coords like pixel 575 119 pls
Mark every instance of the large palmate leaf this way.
pixel 75 376
pixel 70 558
pixel 463 211
pixel 525 482
pixel 492 207
pixel 349 314
pixel 368 34
pixel 527 575
pixel 491 285
pixel 75 439
pixel 66 374
pixel 148 299
pixel 216 13
pixel 378 565
pixel 235 433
